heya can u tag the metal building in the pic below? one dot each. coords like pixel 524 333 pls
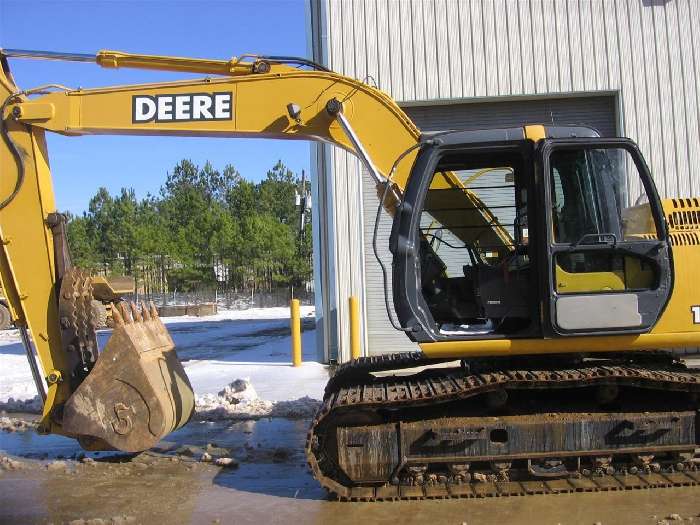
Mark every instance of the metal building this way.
pixel 625 67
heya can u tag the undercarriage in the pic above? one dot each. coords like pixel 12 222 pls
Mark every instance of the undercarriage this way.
pixel 403 427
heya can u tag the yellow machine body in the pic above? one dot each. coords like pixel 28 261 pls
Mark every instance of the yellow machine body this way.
pixel 262 100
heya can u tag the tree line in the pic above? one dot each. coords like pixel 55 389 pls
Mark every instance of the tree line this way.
pixel 206 229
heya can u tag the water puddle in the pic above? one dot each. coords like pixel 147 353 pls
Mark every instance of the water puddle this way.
pixel 252 440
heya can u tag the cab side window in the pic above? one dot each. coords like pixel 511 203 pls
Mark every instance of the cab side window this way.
pixel 590 206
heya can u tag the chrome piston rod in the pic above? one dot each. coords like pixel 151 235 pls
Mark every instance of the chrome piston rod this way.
pixel 38 381
pixel 335 108
pixel 47 55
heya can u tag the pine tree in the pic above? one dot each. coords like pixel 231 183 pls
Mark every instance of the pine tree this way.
pixel 206 228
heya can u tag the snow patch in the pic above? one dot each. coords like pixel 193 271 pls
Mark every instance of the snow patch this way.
pixel 256 314
pixel 253 344
pixel 239 400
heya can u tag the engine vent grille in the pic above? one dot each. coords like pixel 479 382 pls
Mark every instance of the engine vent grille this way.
pixel 685 239
pixel 682 214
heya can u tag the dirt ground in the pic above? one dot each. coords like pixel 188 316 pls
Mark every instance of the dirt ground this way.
pixel 45 479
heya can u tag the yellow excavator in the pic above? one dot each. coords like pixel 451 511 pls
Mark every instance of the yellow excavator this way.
pixel 536 267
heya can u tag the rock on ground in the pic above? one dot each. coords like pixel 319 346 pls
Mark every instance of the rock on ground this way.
pixel 226 462
pixel 57 465
pixel 116 520
pixel 7 463
pixel 13 424
pixel 189 451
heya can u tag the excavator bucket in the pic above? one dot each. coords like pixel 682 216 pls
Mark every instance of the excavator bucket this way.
pixel 137 391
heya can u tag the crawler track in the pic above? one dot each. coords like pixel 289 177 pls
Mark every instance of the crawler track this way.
pixel 356 398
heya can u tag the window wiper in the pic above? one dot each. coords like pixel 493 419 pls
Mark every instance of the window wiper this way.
pixel 602 238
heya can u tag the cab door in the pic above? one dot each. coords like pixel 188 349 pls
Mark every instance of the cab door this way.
pixel 608 259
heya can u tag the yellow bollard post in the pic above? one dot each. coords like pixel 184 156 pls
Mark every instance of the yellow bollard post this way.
pixel 295 319
pixel 354 327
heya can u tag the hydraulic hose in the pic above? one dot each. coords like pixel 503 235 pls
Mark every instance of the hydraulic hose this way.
pixel 16 153
pixel 385 282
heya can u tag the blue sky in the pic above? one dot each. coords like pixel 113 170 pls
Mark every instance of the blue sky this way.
pixel 205 28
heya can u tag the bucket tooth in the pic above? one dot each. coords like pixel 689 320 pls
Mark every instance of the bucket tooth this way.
pixel 135 313
pixel 126 313
pixel 144 312
pixel 137 392
pixel 117 318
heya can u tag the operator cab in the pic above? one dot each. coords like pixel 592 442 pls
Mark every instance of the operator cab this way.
pixel 500 236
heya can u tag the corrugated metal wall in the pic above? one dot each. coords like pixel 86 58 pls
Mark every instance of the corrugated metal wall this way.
pixel 645 51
